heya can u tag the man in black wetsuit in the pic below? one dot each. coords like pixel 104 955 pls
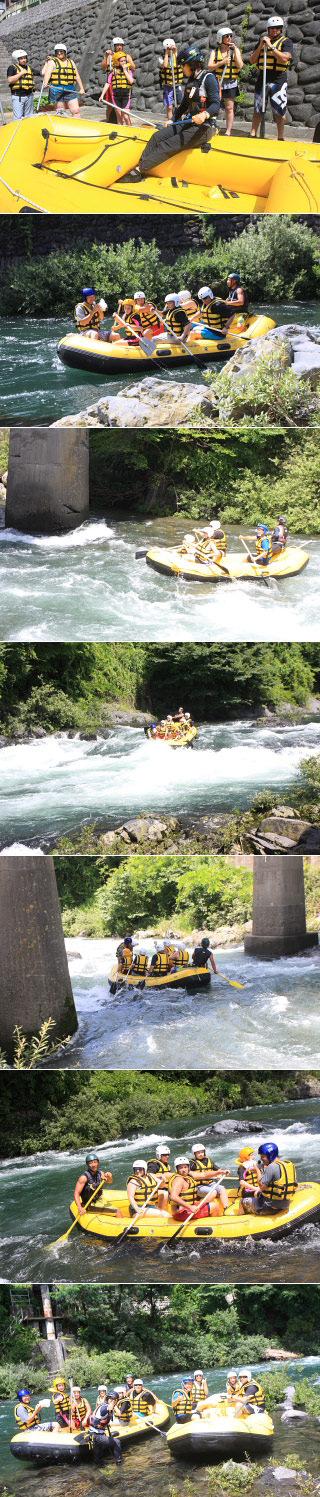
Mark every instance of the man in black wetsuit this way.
pixel 197 111
pixel 104 1440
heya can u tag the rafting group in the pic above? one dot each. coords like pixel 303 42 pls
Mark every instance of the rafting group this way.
pixel 185 315
pixel 235 1419
pixel 203 555
pixel 169 965
pixel 163 1202
pixel 178 731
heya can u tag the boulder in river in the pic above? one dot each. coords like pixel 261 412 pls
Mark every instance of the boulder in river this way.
pixel 152 402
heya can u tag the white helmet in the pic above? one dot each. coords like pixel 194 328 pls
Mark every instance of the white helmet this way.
pixel 162 1149
pixel 275 21
pixel 231 1374
pixel 198 1149
pixel 168 42
pixel 214 526
pixel 245 1372
pixel 22 52
pixel 119 1388
pixel 138 1382
pixel 185 296
pixel 102 1387
pixel 139 1164
pixel 60 47
pixel 117 41
pixel 198 1372
pixel 223 31
pixel 181 1159
pixel 138 294
pixel 204 291
pixel 172 297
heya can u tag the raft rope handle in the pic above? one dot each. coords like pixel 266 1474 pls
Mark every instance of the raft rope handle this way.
pixel 37 206
pixel 310 195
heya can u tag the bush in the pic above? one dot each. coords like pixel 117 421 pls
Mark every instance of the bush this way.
pixel 89 1368
pixel 267 393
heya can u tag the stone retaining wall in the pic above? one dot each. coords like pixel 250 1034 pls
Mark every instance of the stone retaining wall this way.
pixel 144 26
pixel 19 238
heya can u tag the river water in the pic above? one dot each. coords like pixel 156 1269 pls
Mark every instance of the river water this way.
pixel 148 1466
pixel 59 783
pixel 37 388
pixel 220 1026
pixel 88 585
pixel 35 1193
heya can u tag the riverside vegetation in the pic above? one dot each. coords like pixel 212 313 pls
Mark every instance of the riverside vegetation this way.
pixel 99 899
pixel 162 1334
pixel 278 257
pixel 63 1109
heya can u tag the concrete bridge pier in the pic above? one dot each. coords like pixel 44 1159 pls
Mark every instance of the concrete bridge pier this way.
pixel 279 911
pixel 34 975
pixel 48 479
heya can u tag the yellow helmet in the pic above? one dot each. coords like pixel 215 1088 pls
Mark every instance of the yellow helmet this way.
pixel 244 1154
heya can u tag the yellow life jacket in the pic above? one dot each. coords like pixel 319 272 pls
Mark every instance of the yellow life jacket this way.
pixel 200 1164
pixel 124 1409
pixel 149 319
pixel 221 540
pixel 250 1178
pixel 63 74
pixel 144 1188
pixel 189 1192
pixel 258 1396
pixel 276 65
pixel 284 1188
pixel 140 1403
pixel 86 311
pixel 139 965
pixel 25 83
pixel 166 74
pixel 263 551
pixel 79 1411
pixel 126 960
pixel 182 956
pixel 220 60
pixel 185 1402
pixel 160 964
pixel 62 1403
pixel 212 317
pixel 173 321
pixel 119 80
pixel 33 1418
pixel 159 1168
pixel 200 1392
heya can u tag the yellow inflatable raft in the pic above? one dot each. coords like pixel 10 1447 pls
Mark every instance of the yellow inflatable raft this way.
pixel 219 1432
pixel 232 567
pixel 57 1447
pixel 191 978
pixel 303 1208
pixel 78 351
pixel 182 741
pixel 52 165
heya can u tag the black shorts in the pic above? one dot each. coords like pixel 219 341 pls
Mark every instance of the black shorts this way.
pixel 121 97
pixel 229 91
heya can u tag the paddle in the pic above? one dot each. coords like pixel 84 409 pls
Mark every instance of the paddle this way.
pixel 264 89
pixel 228 979
pixel 173 82
pixel 151 1426
pixel 39 99
pixel 190 1215
pixel 147 344
pixel 140 1212
pixel 71 1397
pixel 176 339
pixel 74 1223
pixel 253 562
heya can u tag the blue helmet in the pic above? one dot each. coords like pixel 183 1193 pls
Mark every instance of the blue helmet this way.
pixel 88 291
pixel 271 1151
pixel 23 1393
pixel 188 1379
pixel 265 529
pixel 233 276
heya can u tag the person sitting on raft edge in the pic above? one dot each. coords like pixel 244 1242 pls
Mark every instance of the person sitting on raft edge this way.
pixel 194 117
pixel 89 1181
pixel 90 313
pixel 184 1194
pixel 202 955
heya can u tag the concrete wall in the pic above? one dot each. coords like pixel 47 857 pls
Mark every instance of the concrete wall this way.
pixel 34 975
pixel 48 480
pixel 279 912
pixel 143 27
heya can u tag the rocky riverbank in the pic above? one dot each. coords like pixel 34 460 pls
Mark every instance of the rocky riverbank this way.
pixel 282 831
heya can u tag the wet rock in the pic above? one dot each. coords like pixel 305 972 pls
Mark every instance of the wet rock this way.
pixel 137 829
pixel 282 1473
pixel 152 402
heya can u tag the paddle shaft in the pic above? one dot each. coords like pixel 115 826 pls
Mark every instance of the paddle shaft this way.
pixel 152 1426
pixel 141 1212
pixel 264 89
pixel 176 338
pixel 74 1223
pixel 191 1214
pixel 228 979
pixel 173 82
pixel 253 562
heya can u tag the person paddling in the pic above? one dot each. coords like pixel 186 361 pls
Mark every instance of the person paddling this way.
pixel 89 1181
pixel 202 955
